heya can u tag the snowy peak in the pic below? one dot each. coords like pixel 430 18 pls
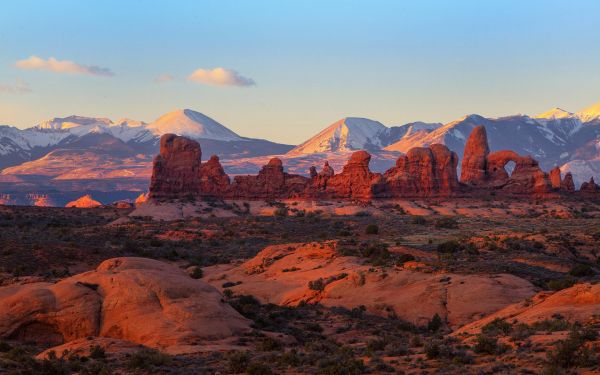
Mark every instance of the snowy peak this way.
pixel 590 113
pixel 192 124
pixel 554 114
pixel 347 134
pixel 66 123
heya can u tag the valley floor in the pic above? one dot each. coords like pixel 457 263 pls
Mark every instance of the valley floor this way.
pixel 444 286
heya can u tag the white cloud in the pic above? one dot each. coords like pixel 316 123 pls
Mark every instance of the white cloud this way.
pixel 64 66
pixel 164 78
pixel 20 87
pixel 220 77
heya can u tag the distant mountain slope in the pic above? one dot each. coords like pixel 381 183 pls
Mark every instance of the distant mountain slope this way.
pixel 347 134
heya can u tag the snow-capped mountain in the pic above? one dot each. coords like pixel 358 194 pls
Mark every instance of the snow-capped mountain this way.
pixel 192 124
pixel 347 134
pixel 590 113
pixel 17 146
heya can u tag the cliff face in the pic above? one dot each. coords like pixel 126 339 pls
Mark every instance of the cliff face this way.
pixel 423 172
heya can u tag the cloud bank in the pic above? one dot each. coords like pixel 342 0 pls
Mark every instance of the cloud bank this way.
pixel 64 66
pixel 20 87
pixel 220 77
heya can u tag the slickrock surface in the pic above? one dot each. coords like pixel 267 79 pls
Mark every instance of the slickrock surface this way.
pixel 281 274
pixel 579 303
pixel 140 300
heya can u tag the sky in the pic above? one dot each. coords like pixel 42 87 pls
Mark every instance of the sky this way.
pixel 283 70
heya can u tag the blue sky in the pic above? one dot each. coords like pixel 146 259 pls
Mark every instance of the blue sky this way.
pixel 312 62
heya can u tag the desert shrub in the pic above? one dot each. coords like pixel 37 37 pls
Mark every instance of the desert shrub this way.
pixel 403 258
pixel 446 222
pixel 281 211
pixel 196 273
pixel 317 284
pixel 521 331
pixel 4 347
pixel 496 327
pixel 418 220
pixel 145 359
pixel 449 247
pixel 582 270
pixel 341 363
pixel 97 352
pixel 485 344
pixel 269 344
pixel 246 305
pixel 561 284
pixel 557 323
pixel 573 352
pixel 237 362
pixel 435 323
pixel 259 368
pixel 372 229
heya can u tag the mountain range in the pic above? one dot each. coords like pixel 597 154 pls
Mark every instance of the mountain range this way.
pixel 64 158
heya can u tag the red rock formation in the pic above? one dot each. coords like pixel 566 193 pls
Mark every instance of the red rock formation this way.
pixel 590 187
pixel 567 184
pixel 355 182
pixel 473 167
pixel 176 170
pixel 527 177
pixel 423 172
pixel 555 178
pixel 270 183
pixel 214 182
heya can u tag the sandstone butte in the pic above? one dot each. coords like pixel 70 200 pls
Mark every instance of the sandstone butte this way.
pixel 138 300
pixel 178 172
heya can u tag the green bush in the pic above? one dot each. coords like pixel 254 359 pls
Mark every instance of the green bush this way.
pixel 372 229
pixel 446 222
pixel 237 362
pixel 418 220
pixel 317 284
pixel 259 368
pixel 561 284
pixel 581 270
pixel 449 247
pixel 146 359
pixel 486 345
pixel 496 327
pixel 435 323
